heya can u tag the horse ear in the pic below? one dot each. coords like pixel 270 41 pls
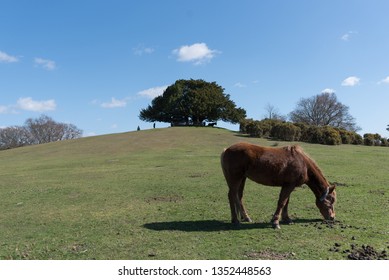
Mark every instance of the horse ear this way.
pixel 332 188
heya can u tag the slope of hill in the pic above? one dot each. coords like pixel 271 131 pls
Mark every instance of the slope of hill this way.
pixel 160 194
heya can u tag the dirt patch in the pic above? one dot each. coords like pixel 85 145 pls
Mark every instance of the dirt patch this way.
pixel 170 198
pixel 339 184
pixel 197 175
pixel 333 225
pixel 378 192
pixel 366 252
pixel 269 255
pixel 79 248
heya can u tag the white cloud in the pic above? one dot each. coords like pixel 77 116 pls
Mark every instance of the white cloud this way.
pixel 152 92
pixel 328 90
pixel 141 50
pixel 385 81
pixel 115 103
pixel 351 81
pixel 347 36
pixel 28 104
pixel 4 57
pixel 240 85
pixel 198 53
pixel 45 63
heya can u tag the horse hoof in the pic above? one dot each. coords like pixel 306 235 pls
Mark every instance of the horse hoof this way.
pixel 235 224
pixel 276 226
pixel 288 221
pixel 248 220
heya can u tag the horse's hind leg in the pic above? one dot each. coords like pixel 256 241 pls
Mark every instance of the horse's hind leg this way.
pixel 233 198
pixel 243 213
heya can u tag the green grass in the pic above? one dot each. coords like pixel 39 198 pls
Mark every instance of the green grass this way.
pixel 160 194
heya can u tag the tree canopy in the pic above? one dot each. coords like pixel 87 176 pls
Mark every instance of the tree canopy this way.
pixel 191 102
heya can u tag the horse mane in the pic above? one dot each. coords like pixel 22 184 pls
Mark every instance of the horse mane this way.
pixel 314 172
pixel 294 149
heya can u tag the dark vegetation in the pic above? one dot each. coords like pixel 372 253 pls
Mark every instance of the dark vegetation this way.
pixel 320 119
pixel 327 135
pixel 191 103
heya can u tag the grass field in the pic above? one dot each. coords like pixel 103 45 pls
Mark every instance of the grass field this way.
pixel 160 194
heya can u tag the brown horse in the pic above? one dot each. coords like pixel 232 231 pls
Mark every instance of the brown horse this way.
pixel 288 167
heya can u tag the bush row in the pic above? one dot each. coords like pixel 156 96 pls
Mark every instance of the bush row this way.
pixel 370 139
pixel 288 131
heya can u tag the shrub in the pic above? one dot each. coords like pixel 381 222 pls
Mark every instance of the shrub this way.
pixel 286 132
pixel 267 125
pixel 384 142
pixel 254 129
pixel 257 128
pixel 358 140
pixel 320 135
pixel 330 136
pixel 346 136
pixel 312 134
pixel 327 135
pixel 350 137
pixel 243 125
pixel 251 127
pixel 370 139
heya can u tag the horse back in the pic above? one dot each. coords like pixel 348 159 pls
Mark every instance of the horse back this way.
pixel 265 165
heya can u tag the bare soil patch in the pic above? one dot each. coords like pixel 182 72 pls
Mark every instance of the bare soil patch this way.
pixel 269 255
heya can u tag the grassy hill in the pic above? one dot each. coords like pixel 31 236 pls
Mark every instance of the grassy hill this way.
pixel 160 194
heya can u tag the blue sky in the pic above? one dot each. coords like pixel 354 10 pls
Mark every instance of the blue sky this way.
pixel 97 63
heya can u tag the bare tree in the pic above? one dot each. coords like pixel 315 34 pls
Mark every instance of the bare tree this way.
pixel 323 109
pixel 44 130
pixel 273 113
pixel 13 137
pixel 37 131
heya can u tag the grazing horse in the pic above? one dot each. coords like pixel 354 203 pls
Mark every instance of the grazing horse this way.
pixel 288 167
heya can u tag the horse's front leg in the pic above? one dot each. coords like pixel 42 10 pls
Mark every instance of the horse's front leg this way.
pixel 285 215
pixel 282 202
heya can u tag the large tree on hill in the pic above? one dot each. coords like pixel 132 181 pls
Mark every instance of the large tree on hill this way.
pixel 192 102
pixel 323 109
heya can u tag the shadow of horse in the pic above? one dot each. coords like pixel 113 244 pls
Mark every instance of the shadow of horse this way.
pixel 214 225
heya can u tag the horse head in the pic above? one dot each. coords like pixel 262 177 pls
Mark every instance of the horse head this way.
pixel 326 203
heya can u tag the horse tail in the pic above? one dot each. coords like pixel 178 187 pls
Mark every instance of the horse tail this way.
pixel 223 163
pixel 225 167
pixel 233 195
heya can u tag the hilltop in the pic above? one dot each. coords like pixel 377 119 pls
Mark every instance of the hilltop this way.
pixel 160 194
